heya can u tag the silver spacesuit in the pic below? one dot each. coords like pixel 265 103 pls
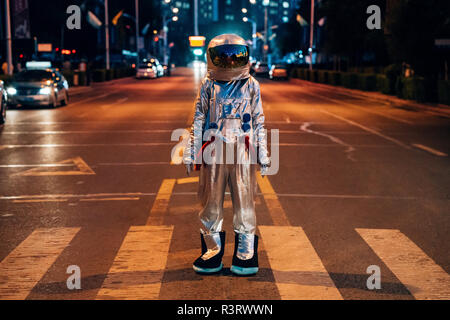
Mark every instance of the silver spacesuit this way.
pixel 228 109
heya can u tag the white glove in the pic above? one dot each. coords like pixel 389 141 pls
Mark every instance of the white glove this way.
pixel 264 169
pixel 189 168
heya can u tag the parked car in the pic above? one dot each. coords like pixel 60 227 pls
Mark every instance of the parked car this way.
pixel 3 105
pixel 261 69
pixel 37 87
pixel 278 71
pixel 146 70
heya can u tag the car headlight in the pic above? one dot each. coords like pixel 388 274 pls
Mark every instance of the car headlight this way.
pixel 45 90
pixel 12 91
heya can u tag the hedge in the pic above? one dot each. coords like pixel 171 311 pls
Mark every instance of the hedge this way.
pixel 322 76
pixel 349 80
pixel 367 82
pixel 334 78
pixel 444 92
pixel 414 89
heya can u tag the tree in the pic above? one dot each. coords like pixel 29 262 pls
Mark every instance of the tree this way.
pixel 412 26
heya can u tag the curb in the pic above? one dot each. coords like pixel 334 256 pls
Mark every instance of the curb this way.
pixel 440 108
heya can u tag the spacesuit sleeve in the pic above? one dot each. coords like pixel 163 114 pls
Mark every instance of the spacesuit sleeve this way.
pixel 259 132
pixel 196 135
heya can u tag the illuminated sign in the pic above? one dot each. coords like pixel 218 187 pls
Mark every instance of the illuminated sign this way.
pixel 44 47
pixel 197 41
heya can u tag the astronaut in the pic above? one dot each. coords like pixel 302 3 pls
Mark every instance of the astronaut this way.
pixel 228 113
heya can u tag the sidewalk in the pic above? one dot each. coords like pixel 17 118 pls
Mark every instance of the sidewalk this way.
pixel 378 96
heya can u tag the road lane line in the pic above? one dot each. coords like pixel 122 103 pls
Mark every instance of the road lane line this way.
pixel 40 200
pixel 78 162
pixel 54 132
pixel 375 132
pixel 276 211
pixel 364 109
pixel 111 199
pixel 22 269
pixel 430 150
pixel 298 270
pixel 138 268
pixel 418 272
pixel 70 145
pixel 133 163
pixel 161 202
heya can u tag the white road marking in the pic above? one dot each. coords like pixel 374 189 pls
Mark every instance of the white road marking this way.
pixel 80 164
pixel 138 268
pixel 69 145
pixel 364 109
pixel 430 150
pixel 149 163
pixel 375 132
pixel 195 179
pixel 350 149
pixel 22 269
pixel 298 270
pixel 418 272
pixel 55 132
pixel 112 199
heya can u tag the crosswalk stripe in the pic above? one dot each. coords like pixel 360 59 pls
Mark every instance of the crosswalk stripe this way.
pixel 161 203
pixel 298 270
pixel 22 269
pixel 418 272
pixel 276 211
pixel 138 268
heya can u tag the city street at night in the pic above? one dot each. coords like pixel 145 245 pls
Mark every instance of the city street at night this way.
pixel 363 183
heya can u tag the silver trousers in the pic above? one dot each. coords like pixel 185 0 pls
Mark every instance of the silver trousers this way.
pixel 241 180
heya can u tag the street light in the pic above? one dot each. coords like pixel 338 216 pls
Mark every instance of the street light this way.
pixel 246 19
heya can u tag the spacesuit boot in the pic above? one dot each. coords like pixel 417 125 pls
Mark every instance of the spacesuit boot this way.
pixel 213 246
pixel 245 257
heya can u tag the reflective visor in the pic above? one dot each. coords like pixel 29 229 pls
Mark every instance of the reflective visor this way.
pixel 229 56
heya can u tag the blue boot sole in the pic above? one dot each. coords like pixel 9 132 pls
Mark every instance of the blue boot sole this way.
pixel 207 270
pixel 244 271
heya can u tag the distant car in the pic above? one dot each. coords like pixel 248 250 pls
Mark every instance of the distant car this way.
pixel 3 105
pixel 261 69
pixel 278 71
pixel 146 70
pixel 38 87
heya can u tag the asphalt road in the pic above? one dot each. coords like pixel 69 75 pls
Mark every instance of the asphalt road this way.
pixel 361 183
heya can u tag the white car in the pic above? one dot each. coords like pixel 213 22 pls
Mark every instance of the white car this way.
pixel 146 70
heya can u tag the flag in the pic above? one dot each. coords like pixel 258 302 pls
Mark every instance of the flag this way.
pixel 302 21
pixel 93 20
pixel 117 17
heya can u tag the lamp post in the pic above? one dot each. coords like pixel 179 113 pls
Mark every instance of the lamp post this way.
pixel 136 7
pixel 253 22
pixel 311 36
pixel 8 38
pixel 106 34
